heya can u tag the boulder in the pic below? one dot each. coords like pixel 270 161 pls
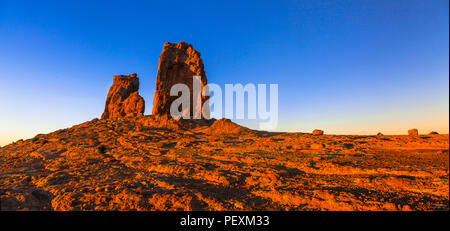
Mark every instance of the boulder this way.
pixel 179 63
pixel 317 132
pixel 413 132
pixel 317 146
pixel 123 98
pixel 433 133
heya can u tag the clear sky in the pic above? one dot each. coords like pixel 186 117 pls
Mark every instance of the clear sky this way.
pixel 347 67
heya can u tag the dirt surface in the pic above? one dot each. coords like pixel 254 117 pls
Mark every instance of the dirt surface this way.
pixel 155 163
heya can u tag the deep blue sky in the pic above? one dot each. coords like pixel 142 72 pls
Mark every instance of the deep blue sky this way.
pixel 348 67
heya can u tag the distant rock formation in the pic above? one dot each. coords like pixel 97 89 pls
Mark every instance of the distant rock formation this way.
pixel 317 132
pixel 123 99
pixel 433 133
pixel 380 134
pixel 413 132
pixel 178 63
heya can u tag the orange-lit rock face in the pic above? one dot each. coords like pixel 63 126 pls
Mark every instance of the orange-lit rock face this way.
pixel 159 163
pixel 123 98
pixel 413 132
pixel 317 132
pixel 178 63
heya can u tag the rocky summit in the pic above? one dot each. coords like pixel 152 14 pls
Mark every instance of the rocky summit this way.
pixel 131 161
pixel 123 98
pixel 154 162
pixel 179 63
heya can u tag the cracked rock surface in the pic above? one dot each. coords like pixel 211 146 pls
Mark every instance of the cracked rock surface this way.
pixel 158 163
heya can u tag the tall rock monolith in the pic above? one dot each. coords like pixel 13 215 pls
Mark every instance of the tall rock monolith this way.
pixel 180 63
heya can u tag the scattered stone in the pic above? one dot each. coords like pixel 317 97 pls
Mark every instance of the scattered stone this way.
pixel 348 146
pixel 123 99
pixel 317 146
pixel 413 132
pixel 317 132
pixel 178 63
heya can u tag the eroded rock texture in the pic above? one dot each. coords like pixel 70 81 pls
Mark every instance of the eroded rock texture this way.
pixel 123 98
pixel 413 132
pixel 317 132
pixel 158 163
pixel 178 63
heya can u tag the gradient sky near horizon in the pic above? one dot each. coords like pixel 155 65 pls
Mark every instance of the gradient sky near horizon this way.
pixel 347 67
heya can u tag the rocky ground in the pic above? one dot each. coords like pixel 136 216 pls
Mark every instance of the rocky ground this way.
pixel 155 163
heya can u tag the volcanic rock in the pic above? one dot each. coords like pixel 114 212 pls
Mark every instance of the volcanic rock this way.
pixel 157 163
pixel 179 63
pixel 123 99
pixel 317 132
pixel 226 126
pixel 317 146
pixel 413 132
